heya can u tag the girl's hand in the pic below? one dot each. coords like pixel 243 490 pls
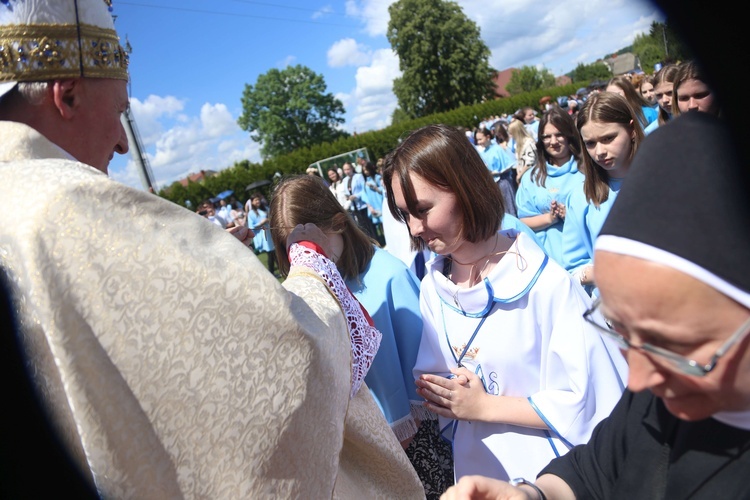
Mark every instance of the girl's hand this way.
pixel 461 398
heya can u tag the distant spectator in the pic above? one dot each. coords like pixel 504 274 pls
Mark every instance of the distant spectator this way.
pixel 258 221
pixel 208 210
pixel 692 93
pixel 643 110
pixel 337 186
pixel 525 149
pixel 663 89
pixel 646 88
pixel 500 132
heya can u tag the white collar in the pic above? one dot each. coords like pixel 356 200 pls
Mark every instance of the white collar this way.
pixel 509 281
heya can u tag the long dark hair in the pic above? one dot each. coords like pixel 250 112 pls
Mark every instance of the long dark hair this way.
pixel 563 122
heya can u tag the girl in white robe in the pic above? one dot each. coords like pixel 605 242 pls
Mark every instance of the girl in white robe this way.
pixel 506 359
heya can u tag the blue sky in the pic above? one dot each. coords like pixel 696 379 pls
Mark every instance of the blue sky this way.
pixel 191 60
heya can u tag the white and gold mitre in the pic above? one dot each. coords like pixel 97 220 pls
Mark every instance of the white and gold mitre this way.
pixel 49 39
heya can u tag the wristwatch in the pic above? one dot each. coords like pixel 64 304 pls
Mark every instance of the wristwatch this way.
pixel 521 481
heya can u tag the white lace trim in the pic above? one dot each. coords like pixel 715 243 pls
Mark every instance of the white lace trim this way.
pixel 365 339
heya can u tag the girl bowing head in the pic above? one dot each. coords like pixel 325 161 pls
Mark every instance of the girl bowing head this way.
pixel 506 361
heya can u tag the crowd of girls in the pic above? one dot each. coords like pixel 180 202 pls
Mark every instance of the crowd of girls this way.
pixel 489 353
pixel 566 196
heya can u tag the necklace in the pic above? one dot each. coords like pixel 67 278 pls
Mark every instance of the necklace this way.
pixel 472 279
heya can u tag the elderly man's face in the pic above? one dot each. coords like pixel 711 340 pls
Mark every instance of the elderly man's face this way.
pixel 656 304
pixel 101 133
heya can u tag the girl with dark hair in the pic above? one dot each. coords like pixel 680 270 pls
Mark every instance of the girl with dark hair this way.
pixel 506 360
pixel 337 186
pixel 543 194
pixel 692 92
pixel 610 133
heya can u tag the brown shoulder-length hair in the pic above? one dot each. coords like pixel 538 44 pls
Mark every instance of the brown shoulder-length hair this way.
pixel 303 199
pixel 442 156
pixel 563 122
pixel 667 74
pixel 605 107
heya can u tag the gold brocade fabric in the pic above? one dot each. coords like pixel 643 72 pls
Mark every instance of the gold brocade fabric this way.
pixel 174 365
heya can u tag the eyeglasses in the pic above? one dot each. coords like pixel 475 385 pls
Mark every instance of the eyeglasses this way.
pixel 547 138
pixel 680 363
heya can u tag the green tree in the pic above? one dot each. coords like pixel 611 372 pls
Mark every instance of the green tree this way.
pixel 289 109
pixel 443 60
pixel 529 79
pixel 398 116
pixel 662 44
pixel 590 72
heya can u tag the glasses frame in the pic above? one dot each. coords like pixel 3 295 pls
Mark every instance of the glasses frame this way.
pixel 681 363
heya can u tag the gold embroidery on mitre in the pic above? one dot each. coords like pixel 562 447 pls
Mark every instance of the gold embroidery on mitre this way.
pixel 42 52
pixel 470 354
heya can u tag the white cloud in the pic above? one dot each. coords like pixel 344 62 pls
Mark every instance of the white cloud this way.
pixel 549 32
pixel 212 140
pixel 373 98
pixel 558 35
pixel 345 98
pixel 372 13
pixel 323 12
pixel 287 61
pixel 347 52
pixel 216 121
pixel 147 114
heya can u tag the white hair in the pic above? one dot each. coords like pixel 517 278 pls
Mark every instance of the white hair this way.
pixel 32 92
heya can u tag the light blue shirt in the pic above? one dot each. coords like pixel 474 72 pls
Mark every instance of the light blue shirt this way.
pixel 374 198
pixel 650 114
pixel 651 127
pixel 583 222
pixel 511 222
pixel 262 240
pixel 496 158
pixel 356 187
pixel 532 200
pixel 389 291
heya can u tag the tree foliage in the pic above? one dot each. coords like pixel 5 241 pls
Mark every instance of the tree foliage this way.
pixel 661 45
pixel 590 72
pixel 529 79
pixel 443 60
pixel 288 109
pixel 399 115
pixel 378 143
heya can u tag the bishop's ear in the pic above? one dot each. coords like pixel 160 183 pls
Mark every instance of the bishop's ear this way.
pixel 66 95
